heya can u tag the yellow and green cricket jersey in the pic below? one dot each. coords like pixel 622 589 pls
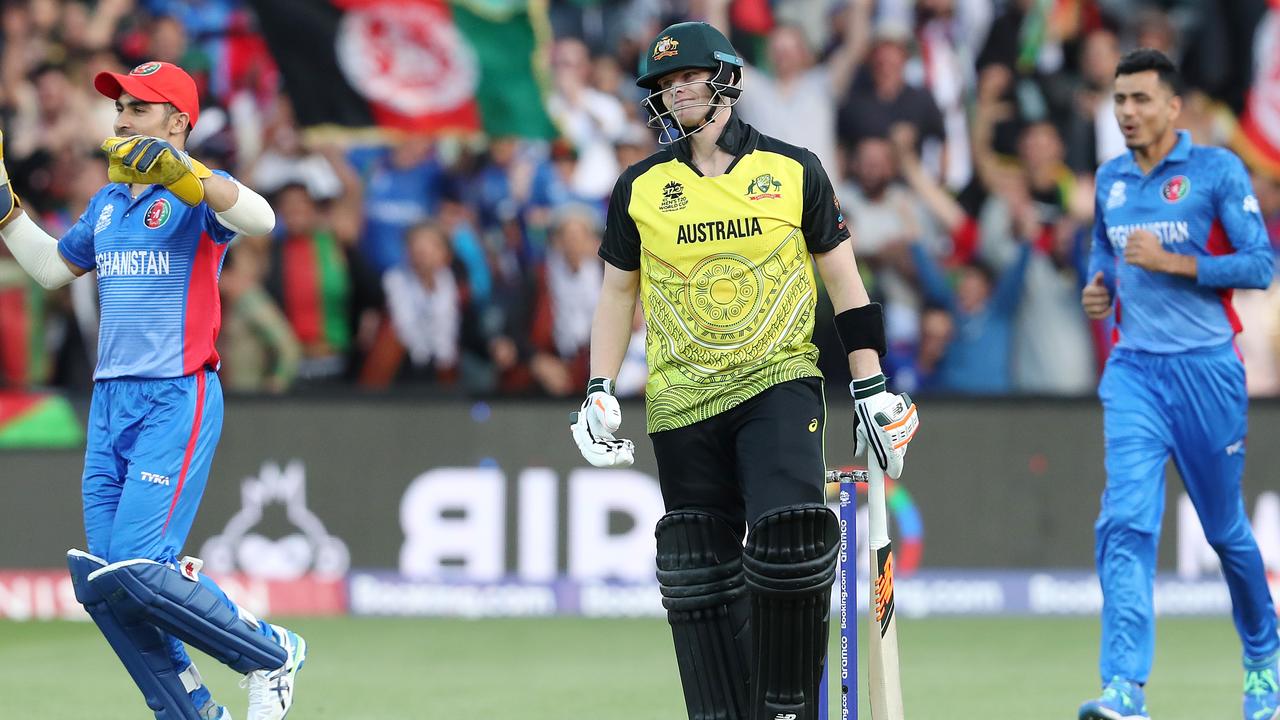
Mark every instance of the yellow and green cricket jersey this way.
pixel 725 273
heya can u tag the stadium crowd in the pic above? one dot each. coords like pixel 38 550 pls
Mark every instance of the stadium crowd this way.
pixel 962 135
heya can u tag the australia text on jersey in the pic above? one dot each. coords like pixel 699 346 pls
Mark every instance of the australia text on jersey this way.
pixel 1169 232
pixel 718 230
pixel 132 262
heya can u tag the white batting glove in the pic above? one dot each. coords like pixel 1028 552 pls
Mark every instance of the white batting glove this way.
pixel 884 423
pixel 593 427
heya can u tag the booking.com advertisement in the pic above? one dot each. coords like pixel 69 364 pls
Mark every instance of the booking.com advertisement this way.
pixel 395 508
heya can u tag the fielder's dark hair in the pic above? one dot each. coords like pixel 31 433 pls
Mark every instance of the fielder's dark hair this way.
pixel 1144 59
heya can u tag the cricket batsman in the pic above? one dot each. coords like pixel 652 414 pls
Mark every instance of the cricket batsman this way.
pixel 718 234
pixel 1177 227
pixel 156 235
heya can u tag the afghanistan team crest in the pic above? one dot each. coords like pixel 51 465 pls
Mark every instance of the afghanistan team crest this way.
pixel 1175 188
pixel 145 69
pixel 764 186
pixel 666 46
pixel 158 214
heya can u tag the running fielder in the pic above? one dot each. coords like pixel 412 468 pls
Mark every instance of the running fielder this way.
pixel 1177 227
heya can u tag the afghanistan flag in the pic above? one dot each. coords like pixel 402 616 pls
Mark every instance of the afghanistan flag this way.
pixel 37 420
pixel 420 66
pixel 23 360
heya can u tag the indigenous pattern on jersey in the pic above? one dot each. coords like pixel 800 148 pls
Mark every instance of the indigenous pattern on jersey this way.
pixel 725 274
pixel 158 262
pixel 1198 201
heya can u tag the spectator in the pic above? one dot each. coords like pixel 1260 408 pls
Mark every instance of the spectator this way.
pixel 319 279
pixel 402 185
pixel 917 372
pixel 982 305
pixel 882 98
pixel 570 286
pixel 49 121
pixel 947 31
pixel 429 306
pixel 590 119
pixel 884 216
pixel 796 87
pixel 1093 136
pixel 258 348
pixel 284 159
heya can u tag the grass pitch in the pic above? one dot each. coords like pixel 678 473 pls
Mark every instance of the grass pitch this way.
pixel 558 669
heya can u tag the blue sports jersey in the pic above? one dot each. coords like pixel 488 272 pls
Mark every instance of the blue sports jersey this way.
pixel 1198 201
pixel 158 263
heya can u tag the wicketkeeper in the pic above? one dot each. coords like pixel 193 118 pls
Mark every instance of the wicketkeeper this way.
pixel 156 237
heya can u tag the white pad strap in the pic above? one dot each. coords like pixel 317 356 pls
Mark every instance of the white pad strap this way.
pixel 250 214
pixel 37 252
pixel 191 680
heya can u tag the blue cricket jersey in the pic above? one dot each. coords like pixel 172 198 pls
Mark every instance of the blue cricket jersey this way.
pixel 1198 201
pixel 158 263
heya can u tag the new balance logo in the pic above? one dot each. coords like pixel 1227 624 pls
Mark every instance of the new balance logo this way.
pixel 154 478
pixel 785 716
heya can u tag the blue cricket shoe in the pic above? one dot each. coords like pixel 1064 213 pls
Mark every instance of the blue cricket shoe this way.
pixel 1121 700
pixel 1262 689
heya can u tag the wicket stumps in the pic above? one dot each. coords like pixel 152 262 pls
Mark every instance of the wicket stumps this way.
pixel 845 589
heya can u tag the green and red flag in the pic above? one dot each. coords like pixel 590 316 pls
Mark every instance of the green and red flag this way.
pixel 417 66
pixel 1257 139
pixel 38 420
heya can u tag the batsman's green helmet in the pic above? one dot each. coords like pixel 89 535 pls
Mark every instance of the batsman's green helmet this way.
pixel 686 46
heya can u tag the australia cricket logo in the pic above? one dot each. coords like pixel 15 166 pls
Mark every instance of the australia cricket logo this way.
pixel 673 197
pixel 666 47
pixel 764 186
pixel 1175 188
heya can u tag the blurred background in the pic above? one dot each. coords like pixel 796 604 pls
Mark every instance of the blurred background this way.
pixel 439 173
pixel 401 352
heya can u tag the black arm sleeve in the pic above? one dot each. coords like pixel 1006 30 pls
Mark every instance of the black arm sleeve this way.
pixel 621 244
pixel 822 220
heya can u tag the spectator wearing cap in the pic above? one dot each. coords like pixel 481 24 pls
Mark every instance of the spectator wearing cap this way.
pixel 881 98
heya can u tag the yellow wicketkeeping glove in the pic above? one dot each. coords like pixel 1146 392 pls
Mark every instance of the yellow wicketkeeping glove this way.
pixel 9 202
pixel 152 161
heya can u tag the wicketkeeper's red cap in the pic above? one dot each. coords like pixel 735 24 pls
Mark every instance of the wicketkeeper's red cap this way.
pixel 154 82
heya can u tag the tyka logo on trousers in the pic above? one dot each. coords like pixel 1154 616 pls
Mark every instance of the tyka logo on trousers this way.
pixel 154 478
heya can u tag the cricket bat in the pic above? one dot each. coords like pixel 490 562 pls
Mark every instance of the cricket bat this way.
pixel 884 681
